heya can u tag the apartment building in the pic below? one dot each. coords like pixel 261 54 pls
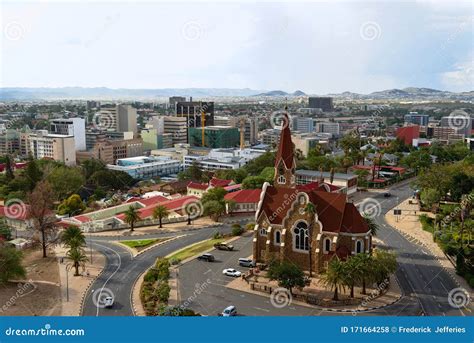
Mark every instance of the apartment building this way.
pixel 70 127
pixel 40 144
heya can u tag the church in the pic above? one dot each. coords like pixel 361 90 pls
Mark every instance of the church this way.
pixel 305 224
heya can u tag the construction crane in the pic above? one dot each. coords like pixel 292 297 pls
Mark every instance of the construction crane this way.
pixel 203 124
pixel 242 121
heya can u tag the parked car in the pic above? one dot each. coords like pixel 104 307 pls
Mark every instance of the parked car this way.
pixel 229 311
pixel 245 262
pixel 109 302
pixel 231 272
pixel 224 246
pixel 206 257
pixel 387 194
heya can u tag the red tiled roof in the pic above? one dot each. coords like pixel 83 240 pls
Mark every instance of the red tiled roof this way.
pixel 152 200
pixel 82 218
pixel 195 185
pixel 233 187
pixel 308 187
pixel 171 205
pixel 335 214
pixel 244 196
pixel 219 182
pixel 285 146
pixel 353 221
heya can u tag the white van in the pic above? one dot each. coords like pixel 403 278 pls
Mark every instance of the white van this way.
pixel 245 262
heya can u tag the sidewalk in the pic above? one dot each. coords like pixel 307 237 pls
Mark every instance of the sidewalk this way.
pixel 78 285
pixel 409 226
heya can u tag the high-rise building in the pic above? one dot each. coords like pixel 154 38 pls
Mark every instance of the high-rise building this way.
pixel 41 144
pixel 152 140
pixel 177 127
pixel 303 124
pixel 462 124
pixel 324 103
pixel 127 118
pixel 417 119
pixel 173 100
pixel 251 130
pixel 70 127
pixel 192 111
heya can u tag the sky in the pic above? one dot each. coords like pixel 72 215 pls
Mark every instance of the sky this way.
pixel 317 47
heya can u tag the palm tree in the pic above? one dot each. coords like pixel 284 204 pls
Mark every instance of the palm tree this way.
pixel 384 264
pixel 465 210
pixel 373 226
pixel 73 237
pixel 310 209
pixel 353 274
pixel 335 276
pixel 131 217
pixel 364 262
pixel 78 258
pixel 160 212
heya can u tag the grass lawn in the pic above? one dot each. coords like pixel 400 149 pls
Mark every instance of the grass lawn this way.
pixel 142 243
pixel 195 249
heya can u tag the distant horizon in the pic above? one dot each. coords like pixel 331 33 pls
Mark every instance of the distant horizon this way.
pixel 319 47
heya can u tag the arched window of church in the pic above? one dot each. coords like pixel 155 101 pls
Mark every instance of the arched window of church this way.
pixel 263 232
pixel 281 179
pixel 359 247
pixel 277 237
pixel 301 236
pixel 327 244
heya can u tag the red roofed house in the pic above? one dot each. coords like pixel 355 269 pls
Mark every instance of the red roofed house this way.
pixel 246 201
pixel 284 230
pixel 197 189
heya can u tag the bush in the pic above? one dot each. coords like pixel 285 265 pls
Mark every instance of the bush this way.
pixel 217 235
pixel 174 261
pixel 162 292
pixel 237 231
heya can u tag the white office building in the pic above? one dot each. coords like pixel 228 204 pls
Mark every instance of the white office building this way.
pixel 70 127
pixel 145 168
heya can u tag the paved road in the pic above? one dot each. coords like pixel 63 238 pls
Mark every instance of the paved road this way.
pixel 122 269
pixel 424 283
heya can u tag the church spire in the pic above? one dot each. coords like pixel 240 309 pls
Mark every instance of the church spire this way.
pixel 285 160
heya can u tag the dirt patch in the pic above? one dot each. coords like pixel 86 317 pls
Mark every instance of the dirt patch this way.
pixel 40 295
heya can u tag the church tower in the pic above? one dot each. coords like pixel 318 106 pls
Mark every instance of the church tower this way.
pixel 285 160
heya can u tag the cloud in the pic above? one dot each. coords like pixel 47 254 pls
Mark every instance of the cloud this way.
pixel 461 78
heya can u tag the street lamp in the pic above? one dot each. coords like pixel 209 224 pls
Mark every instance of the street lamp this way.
pixel 68 267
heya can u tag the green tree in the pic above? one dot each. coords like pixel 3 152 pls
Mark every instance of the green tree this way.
pixel 216 194
pixel 32 174
pixel 335 276
pixel 268 174
pixel 9 168
pixel 231 204
pixel 253 182
pixel 65 181
pixel 10 263
pixel 237 230
pixel 72 205
pixel 288 274
pixel 353 274
pixel 364 262
pixel 255 166
pixel 131 217
pixel 215 209
pixel 384 263
pixel 78 258
pixel 417 160
pixel 373 226
pixel 5 231
pixel 160 212
pixel 430 196
pixel 90 166
pixel 73 237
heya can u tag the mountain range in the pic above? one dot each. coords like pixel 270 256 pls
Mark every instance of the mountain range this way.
pixel 103 93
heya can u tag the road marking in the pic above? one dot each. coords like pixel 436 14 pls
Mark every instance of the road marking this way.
pixel 111 275
pixel 261 309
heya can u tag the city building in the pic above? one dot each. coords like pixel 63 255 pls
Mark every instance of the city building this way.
pixel 152 140
pixel 177 127
pixel 417 119
pixel 286 231
pixel 9 142
pixel 71 127
pixel 173 100
pixel 40 144
pixel 270 137
pixel 461 124
pixel 304 142
pixel 92 137
pixel 303 124
pixel 347 183
pixel 110 150
pixel 329 127
pixel 214 136
pixel 121 118
pixel 222 158
pixel 192 111
pixel 245 201
pixel 145 168
pixel 324 103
